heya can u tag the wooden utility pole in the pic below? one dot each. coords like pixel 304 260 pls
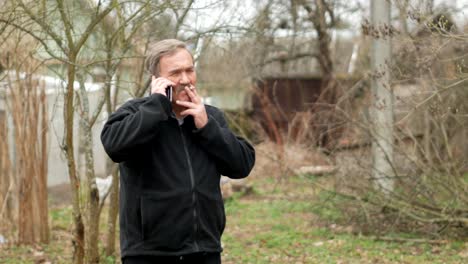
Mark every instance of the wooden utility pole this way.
pixel 382 96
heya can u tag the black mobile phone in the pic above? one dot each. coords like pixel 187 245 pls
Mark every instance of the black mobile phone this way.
pixel 169 93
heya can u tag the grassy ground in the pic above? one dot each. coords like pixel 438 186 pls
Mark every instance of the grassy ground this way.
pixel 292 224
pixel 280 222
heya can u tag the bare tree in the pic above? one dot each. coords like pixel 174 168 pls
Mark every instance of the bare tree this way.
pixel 119 39
pixel 323 18
pixel 25 99
pixel 69 45
pixel 290 33
pixel 425 157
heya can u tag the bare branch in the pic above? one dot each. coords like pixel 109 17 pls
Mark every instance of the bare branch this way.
pixel 58 40
pixel 36 37
pixel 181 18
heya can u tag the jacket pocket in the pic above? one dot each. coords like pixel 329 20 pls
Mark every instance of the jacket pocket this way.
pixel 212 217
pixel 166 220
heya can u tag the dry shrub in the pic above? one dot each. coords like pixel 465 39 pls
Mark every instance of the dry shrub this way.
pixel 276 161
pixel 430 154
pixel 26 103
pixel 7 180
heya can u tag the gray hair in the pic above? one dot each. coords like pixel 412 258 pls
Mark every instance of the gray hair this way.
pixel 157 50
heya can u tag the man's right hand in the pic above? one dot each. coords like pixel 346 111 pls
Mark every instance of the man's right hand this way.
pixel 159 85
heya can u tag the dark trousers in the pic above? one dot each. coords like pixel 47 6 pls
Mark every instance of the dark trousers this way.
pixel 197 258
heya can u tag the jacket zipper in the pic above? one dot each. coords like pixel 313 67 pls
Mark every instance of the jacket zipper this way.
pixel 192 182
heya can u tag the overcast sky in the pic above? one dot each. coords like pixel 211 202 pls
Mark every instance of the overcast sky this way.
pixel 214 12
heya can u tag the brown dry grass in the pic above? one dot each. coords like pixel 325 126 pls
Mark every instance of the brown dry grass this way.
pixel 274 161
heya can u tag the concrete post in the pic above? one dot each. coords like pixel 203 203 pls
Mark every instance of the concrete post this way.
pixel 382 96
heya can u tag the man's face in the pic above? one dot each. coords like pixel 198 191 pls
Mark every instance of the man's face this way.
pixel 178 68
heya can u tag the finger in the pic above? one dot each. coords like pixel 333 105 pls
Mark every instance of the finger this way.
pixel 186 104
pixel 164 83
pixel 158 85
pixel 192 95
pixel 162 79
pixel 154 84
pixel 153 80
pixel 188 112
pixel 193 89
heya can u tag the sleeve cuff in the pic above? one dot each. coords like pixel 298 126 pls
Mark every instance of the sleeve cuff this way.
pixel 208 129
pixel 163 101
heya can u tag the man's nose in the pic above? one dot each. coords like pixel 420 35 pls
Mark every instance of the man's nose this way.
pixel 184 78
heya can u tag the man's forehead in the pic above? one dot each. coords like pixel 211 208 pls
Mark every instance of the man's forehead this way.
pixel 179 60
pixel 178 53
pixel 179 66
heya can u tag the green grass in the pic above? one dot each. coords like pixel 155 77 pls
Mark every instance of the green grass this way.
pixel 287 222
pixel 279 227
pixel 61 217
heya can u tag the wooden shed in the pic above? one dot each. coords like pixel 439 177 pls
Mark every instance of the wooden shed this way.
pixel 277 99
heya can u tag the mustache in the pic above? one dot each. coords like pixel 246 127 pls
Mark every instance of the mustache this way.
pixel 178 88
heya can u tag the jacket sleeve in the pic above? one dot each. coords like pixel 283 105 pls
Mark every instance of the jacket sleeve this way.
pixel 235 156
pixel 133 125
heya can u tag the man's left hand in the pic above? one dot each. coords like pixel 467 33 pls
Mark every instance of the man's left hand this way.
pixel 195 108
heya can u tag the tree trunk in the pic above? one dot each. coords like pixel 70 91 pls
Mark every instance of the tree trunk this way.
pixel 68 114
pixel 92 225
pixel 325 118
pixel 429 7
pixel 92 211
pixel 402 15
pixel 43 171
pixel 113 209
pixel 112 168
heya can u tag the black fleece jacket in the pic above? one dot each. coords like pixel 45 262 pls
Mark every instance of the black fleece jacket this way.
pixel 170 198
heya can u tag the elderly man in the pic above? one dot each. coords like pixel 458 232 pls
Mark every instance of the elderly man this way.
pixel 172 150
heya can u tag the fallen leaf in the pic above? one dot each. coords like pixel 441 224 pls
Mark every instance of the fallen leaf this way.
pixel 463 254
pixel 318 244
